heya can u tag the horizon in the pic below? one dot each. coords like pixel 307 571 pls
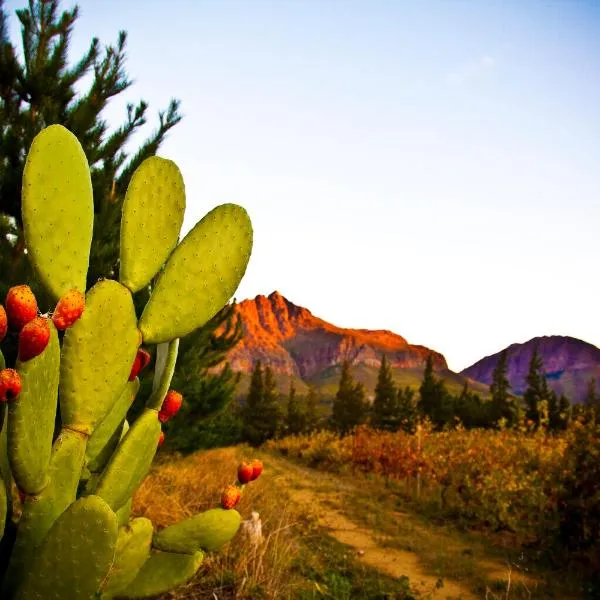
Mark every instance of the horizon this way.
pixel 430 169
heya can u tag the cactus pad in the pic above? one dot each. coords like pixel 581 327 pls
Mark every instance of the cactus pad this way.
pixel 162 572
pixel 77 464
pixel 58 210
pixel 76 556
pixel 200 276
pixel 152 217
pixel 133 549
pixel 97 355
pixel 107 434
pixel 207 531
pixel 131 461
pixel 31 419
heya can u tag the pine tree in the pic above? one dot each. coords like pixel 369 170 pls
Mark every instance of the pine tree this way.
pixel 261 414
pixel 434 402
pixel 205 379
pixel 384 412
pixel 502 405
pixel 251 411
pixel 407 409
pixel 272 414
pixel 428 389
pixel 44 89
pixel 295 421
pixel 349 406
pixel 312 410
pixel 534 393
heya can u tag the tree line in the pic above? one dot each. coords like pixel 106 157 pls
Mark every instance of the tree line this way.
pixel 267 414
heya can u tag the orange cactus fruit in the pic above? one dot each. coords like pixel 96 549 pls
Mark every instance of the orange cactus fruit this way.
pixel 10 385
pixel 69 308
pixel 230 497
pixel 141 361
pixel 257 469
pixel 170 406
pixel 3 323
pixel 245 472
pixel 21 306
pixel 34 338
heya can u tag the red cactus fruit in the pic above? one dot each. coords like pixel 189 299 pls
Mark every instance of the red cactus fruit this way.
pixel 257 469
pixel 21 306
pixel 34 338
pixel 161 439
pixel 69 308
pixel 3 323
pixel 230 497
pixel 171 405
pixel 245 472
pixel 142 358
pixel 10 385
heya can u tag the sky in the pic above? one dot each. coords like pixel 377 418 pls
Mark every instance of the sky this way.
pixel 430 168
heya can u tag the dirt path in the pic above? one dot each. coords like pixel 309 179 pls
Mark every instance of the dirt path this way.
pixel 327 497
pixel 308 488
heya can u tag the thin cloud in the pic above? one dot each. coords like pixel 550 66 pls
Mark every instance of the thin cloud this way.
pixel 471 71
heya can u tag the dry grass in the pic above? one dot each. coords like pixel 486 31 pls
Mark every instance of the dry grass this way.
pixel 177 489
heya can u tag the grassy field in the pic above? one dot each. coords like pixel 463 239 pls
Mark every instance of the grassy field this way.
pixel 337 536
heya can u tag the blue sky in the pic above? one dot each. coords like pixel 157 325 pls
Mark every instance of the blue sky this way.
pixel 432 168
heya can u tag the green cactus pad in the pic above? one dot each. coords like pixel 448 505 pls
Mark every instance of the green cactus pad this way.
pixel 166 359
pixel 207 531
pixel 31 417
pixel 152 217
pixel 5 473
pixel 162 572
pixel 107 434
pixel 124 512
pixel 200 276
pixel 76 556
pixel 133 549
pixel 98 351
pixel 131 461
pixel 41 512
pixel 58 210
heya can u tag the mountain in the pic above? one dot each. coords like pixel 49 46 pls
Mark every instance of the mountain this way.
pixel 569 364
pixel 301 347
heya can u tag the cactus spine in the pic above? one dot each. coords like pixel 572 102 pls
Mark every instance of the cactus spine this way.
pixel 74 539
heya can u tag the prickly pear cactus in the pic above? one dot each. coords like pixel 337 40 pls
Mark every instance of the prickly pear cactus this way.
pixel 65 444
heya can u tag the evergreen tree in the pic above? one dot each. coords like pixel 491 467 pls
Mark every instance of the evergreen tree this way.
pixel 384 412
pixel 502 405
pixel 428 389
pixel 44 89
pixel 261 414
pixel 205 379
pixel 407 409
pixel 251 428
pixel 272 414
pixel 349 406
pixel 535 391
pixel 295 421
pixel 312 410
pixel 434 402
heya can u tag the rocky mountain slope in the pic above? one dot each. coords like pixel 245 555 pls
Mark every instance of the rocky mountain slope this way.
pixel 308 350
pixel 569 363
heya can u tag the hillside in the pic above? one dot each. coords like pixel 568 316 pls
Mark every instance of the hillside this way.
pixel 308 350
pixel 569 364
